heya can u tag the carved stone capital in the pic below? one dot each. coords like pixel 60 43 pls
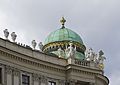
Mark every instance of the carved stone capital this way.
pixel 8 70
pixel 36 77
pixel 16 72
pixel 71 82
pixel 61 82
pixel 43 79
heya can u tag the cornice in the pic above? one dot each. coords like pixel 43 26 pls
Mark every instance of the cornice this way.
pixel 20 49
pixel 30 62
pixel 102 77
pixel 36 64
pixel 79 69
pixel 96 75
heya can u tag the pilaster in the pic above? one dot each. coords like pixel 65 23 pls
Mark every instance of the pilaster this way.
pixel 9 76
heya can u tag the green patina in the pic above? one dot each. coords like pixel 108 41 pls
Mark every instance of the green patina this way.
pixel 63 34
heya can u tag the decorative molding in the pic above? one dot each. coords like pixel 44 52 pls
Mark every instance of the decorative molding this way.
pixel 82 62
pixel 61 82
pixel 59 43
pixel 43 79
pixel 8 69
pixel 36 64
pixel 16 72
pixel 72 81
pixel 36 77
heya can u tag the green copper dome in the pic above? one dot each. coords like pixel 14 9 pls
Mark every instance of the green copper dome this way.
pixel 58 42
pixel 63 34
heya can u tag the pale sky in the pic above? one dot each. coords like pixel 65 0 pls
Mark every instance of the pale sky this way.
pixel 96 21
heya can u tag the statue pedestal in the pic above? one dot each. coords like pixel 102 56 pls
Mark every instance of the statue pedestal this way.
pixel 92 64
pixel 71 60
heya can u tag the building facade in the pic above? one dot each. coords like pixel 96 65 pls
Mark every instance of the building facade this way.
pixel 60 61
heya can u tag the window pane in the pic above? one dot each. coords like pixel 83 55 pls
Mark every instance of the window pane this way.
pixel 25 80
pixel 51 83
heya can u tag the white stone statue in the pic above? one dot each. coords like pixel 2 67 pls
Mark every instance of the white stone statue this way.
pixel 70 51
pixel 40 46
pixel 60 53
pixel 91 55
pixel 13 35
pixel 6 33
pixel 33 44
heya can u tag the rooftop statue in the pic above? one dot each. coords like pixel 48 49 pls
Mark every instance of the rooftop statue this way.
pixel 6 33
pixel 97 59
pixel 40 46
pixel 13 35
pixel 60 53
pixel 91 55
pixel 70 51
pixel 101 59
pixel 33 44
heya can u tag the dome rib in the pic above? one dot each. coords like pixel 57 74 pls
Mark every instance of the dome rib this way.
pixel 64 34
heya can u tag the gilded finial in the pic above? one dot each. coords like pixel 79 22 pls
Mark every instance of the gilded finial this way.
pixel 63 22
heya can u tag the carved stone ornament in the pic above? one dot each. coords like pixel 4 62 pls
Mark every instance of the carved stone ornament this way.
pixel 14 36
pixel 35 77
pixel 33 44
pixel 70 51
pixel 40 46
pixel 61 82
pixel 6 33
pixel 60 52
pixel 8 70
pixel 43 79
pixel 16 72
pixel 72 82
pixel 101 59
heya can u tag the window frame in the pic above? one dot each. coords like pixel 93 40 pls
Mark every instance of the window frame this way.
pixel 2 74
pixel 30 79
pixel 52 82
